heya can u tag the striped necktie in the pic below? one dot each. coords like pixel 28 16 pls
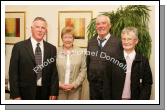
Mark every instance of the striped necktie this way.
pixel 38 60
pixel 101 41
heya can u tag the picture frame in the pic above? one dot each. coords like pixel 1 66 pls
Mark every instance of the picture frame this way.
pixel 14 27
pixel 79 20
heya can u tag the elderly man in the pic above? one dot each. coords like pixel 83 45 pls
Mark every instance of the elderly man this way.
pixel 98 67
pixel 31 76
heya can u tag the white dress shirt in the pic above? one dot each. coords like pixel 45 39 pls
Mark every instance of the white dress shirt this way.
pixel 105 41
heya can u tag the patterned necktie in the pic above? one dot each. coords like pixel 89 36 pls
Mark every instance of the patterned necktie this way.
pixel 101 41
pixel 38 60
pixel 127 88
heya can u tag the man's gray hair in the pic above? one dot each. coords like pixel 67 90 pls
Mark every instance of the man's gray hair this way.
pixel 108 19
pixel 40 18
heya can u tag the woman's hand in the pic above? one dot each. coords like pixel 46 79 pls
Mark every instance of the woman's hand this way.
pixel 69 87
pixel 66 87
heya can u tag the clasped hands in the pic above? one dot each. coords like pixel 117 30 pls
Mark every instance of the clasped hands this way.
pixel 66 87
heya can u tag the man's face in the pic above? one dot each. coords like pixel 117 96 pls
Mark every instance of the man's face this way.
pixel 39 29
pixel 102 26
pixel 129 41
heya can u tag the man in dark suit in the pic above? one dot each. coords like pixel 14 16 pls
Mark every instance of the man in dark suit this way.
pixel 134 82
pixel 33 72
pixel 100 46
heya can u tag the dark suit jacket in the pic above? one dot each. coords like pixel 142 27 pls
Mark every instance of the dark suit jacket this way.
pixel 141 79
pixel 97 66
pixel 22 77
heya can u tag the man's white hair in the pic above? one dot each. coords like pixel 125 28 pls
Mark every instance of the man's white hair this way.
pixel 108 19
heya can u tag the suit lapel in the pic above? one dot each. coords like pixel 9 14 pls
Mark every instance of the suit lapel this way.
pixel 46 51
pixel 29 48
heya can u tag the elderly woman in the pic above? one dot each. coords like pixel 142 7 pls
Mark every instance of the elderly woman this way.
pixel 71 65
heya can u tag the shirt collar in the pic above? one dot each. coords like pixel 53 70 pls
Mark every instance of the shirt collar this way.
pixel 34 42
pixel 72 51
pixel 106 37
pixel 131 55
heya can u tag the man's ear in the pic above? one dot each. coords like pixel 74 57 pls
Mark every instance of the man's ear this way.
pixel 110 26
pixel 31 27
pixel 137 40
pixel 46 31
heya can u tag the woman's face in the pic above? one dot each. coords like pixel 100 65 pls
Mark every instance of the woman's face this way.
pixel 129 41
pixel 68 40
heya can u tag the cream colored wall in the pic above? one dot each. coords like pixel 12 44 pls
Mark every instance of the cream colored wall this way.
pixel 152 57
pixel 50 13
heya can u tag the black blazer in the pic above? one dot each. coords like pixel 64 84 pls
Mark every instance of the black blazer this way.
pixel 141 79
pixel 22 77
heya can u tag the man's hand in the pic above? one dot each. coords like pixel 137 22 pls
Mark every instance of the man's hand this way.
pixel 18 98
pixel 52 97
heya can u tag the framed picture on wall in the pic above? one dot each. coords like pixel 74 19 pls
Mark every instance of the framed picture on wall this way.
pixel 78 20
pixel 14 27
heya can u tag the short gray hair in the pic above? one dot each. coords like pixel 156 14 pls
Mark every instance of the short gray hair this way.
pixel 108 19
pixel 40 18
pixel 126 30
